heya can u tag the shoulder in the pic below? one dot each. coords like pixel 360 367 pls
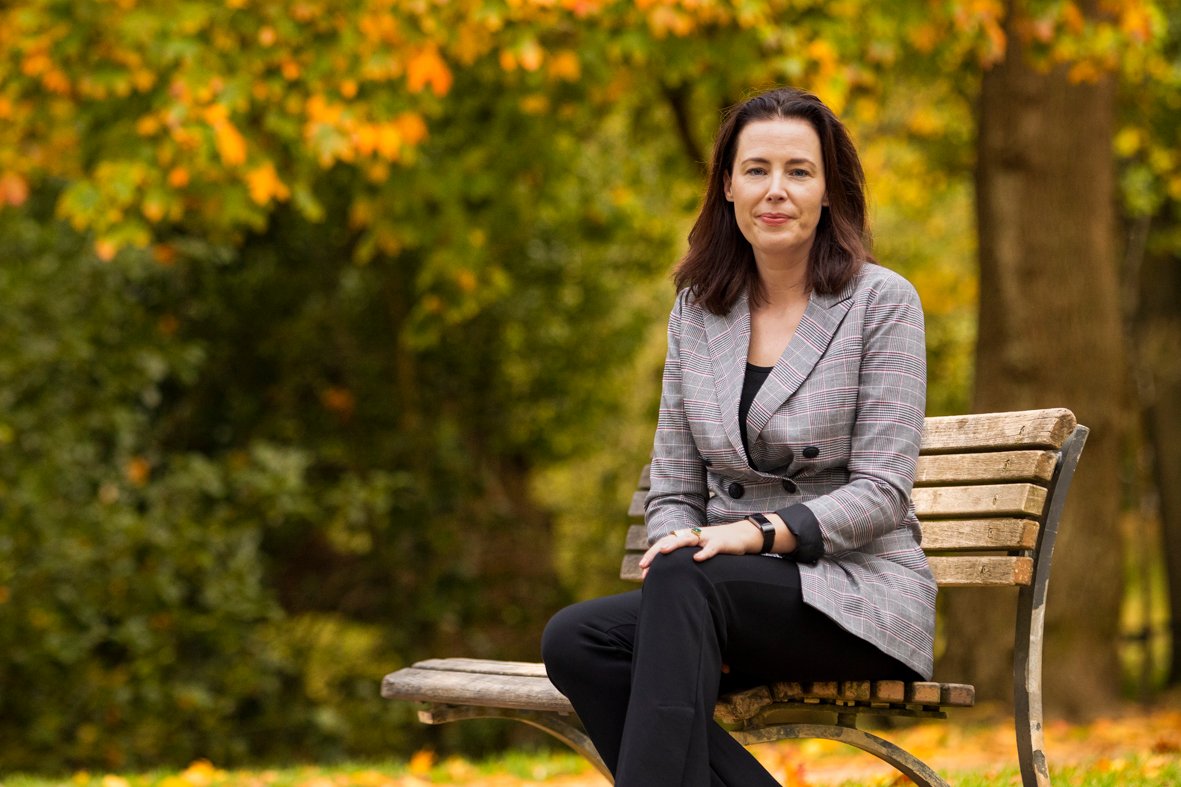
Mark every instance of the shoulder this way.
pixel 878 285
pixel 877 278
pixel 686 309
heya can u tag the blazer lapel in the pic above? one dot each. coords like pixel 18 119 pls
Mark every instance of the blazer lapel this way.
pixel 729 343
pixel 816 329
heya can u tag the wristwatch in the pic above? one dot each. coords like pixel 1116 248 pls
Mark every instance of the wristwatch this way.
pixel 768 529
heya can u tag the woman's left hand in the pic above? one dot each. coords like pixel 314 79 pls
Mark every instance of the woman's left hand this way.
pixel 734 538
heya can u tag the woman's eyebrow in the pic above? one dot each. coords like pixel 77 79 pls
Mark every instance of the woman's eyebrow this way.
pixel 761 160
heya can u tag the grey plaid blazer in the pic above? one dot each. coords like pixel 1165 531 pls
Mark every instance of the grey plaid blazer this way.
pixel 834 437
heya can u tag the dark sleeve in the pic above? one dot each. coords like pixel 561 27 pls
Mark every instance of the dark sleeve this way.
pixel 802 523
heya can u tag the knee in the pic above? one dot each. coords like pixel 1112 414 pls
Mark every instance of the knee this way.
pixel 677 567
pixel 560 642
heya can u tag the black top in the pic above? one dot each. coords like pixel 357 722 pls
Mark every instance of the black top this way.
pixel 751 383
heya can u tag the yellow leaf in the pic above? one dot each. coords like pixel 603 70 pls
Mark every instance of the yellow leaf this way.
pixel 147 125
pixel 1073 19
pixel 424 759
pixel 154 210
pixel 365 138
pixel 200 772
pixel 1083 71
pixel 1127 141
pixel 231 145
pixel 389 141
pixel 110 780
pixel 466 280
pixel 264 184
pixel 565 66
pixel 531 55
pixel 1136 21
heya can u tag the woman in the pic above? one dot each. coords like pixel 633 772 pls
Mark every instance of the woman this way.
pixel 783 541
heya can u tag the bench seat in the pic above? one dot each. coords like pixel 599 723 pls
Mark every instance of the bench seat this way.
pixel 524 686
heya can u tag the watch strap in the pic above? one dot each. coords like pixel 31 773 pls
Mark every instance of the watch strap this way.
pixel 768 529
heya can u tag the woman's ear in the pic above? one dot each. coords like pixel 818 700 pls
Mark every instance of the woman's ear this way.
pixel 824 201
pixel 730 192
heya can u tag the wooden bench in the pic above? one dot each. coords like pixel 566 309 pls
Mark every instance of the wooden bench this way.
pixel 989 493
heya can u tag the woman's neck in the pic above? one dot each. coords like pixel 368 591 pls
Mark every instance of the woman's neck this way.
pixel 784 285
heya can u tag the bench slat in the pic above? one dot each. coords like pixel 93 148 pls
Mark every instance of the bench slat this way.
pixel 998 431
pixel 526 669
pixel 635 509
pixel 472 688
pixel 973 501
pixel 981 572
pixel 979 534
pixel 1034 466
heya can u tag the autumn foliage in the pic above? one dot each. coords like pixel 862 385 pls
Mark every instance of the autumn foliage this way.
pixel 332 327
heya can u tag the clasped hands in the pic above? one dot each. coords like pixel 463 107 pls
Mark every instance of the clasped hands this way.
pixel 732 538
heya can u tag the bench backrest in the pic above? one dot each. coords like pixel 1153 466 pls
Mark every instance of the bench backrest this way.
pixel 988 492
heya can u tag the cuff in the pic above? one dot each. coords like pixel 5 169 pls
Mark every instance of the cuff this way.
pixel 803 525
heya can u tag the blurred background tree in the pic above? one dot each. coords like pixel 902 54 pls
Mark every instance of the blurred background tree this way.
pixel 320 317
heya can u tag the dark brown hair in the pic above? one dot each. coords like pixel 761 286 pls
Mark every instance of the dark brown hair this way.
pixel 720 263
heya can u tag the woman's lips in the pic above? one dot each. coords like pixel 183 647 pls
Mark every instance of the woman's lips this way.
pixel 774 218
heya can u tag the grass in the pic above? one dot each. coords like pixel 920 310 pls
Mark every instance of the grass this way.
pixel 1135 749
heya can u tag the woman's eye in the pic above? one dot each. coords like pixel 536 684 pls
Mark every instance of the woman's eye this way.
pixel 799 173
pixel 756 171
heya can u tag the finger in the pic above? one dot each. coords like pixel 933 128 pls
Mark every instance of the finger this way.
pixel 657 548
pixel 706 552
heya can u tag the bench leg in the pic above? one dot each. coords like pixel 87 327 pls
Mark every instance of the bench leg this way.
pixel 1031 624
pixel 561 727
pixel 918 771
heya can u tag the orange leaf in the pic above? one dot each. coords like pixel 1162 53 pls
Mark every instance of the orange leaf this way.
pixel 178 177
pixel 106 249
pixel 138 471
pixel 412 128
pixel 14 190
pixel 426 67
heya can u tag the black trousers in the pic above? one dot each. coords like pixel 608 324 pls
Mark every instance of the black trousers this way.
pixel 644 669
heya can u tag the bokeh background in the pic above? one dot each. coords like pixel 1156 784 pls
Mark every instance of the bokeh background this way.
pixel 331 331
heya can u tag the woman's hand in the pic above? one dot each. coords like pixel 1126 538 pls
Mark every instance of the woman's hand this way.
pixel 733 538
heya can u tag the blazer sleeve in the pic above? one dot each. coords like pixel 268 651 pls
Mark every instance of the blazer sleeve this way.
pixel 884 447
pixel 677 496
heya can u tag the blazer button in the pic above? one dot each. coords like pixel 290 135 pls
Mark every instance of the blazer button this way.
pixel 735 490
pixel 789 486
pixel 811 452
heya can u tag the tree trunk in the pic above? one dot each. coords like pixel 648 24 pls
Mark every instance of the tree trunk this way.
pixel 1049 335
pixel 1156 333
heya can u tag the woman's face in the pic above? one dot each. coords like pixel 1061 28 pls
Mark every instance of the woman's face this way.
pixel 778 189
